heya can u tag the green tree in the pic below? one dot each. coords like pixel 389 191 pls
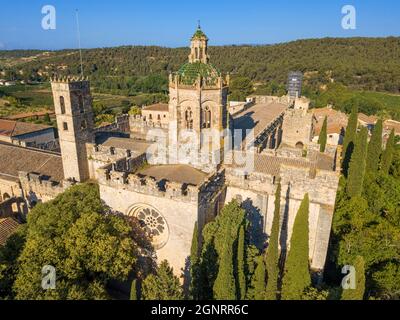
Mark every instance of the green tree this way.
pixel 357 165
pixel 9 263
pixel 194 264
pixel 135 111
pixel 296 276
pixel 87 247
pixel 358 292
pixel 240 88
pixel 349 139
pixel 47 118
pixel 241 262
pixel 387 156
pixel 259 280
pixel 323 135
pixel 218 263
pixel 375 148
pixel 134 295
pixel 225 285
pixel 272 254
pixel 163 285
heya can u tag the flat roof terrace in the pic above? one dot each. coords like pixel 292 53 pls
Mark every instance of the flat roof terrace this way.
pixel 258 117
pixel 177 173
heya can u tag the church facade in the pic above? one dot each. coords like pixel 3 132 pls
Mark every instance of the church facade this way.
pixel 170 197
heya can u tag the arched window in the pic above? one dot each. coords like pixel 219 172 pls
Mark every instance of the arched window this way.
pixel 62 105
pixel 80 103
pixel 299 145
pixel 189 118
pixel 206 118
pixel 83 124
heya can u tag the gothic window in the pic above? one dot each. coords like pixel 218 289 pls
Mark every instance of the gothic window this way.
pixel 206 118
pixel 80 103
pixel 83 124
pixel 62 105
pixel 150 117
pixel 189 119
pixel 158 117
pixel 65 126
pixel 153 222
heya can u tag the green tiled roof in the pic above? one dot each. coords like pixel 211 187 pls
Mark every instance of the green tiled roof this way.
pixel 199 34
pixel 189 73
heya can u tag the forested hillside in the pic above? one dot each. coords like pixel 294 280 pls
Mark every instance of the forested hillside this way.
pixel 360 63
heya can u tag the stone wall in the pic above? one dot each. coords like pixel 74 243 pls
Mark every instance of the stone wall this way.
pixel 257 193
pixel 297 128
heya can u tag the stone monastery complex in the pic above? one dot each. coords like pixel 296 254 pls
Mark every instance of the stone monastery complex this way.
pixel 170 196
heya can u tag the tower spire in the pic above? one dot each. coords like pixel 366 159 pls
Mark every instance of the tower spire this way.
pixel 199 46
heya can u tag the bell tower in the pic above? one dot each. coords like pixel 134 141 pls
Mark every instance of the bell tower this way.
pixel 199 47
pixel 73 108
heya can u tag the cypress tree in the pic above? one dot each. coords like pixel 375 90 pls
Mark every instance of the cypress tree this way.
pixel 296 276
pixel 387 156
pixel 358 292
pixel 272 255
pixel 134 295
pixel 323 135
pixel 225 241
pixel 259 279
pixel 375 148
pixel 241 276
pixel 357 165
pixel 225 285
pixel 194 264
pixel 163 285
pixel 349 139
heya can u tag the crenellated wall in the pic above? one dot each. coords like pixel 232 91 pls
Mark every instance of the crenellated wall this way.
pixel 37 188
pixel 256 191
pixel 147 185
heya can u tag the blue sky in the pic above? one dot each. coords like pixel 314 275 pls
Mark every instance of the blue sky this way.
pixel 171 22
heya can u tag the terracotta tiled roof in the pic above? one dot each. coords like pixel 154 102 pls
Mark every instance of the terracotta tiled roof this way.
pixel 367 119
pixel 7 227
pixel 157 107
pixel 271 164
pixel 14 159
pixel 336 120
pixel 391 124
pixel 11 128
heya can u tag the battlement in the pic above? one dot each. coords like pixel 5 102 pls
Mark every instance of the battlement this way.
pixel 255 181
pixel 321 185
pixel 104 153
pixel 147 185
pixel 40 185
pixel 68 79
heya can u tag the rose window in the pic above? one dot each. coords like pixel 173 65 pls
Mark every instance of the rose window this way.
pixel 153 222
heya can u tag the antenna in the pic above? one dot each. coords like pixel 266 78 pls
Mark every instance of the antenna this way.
pixel 79 40
pixel 198 24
